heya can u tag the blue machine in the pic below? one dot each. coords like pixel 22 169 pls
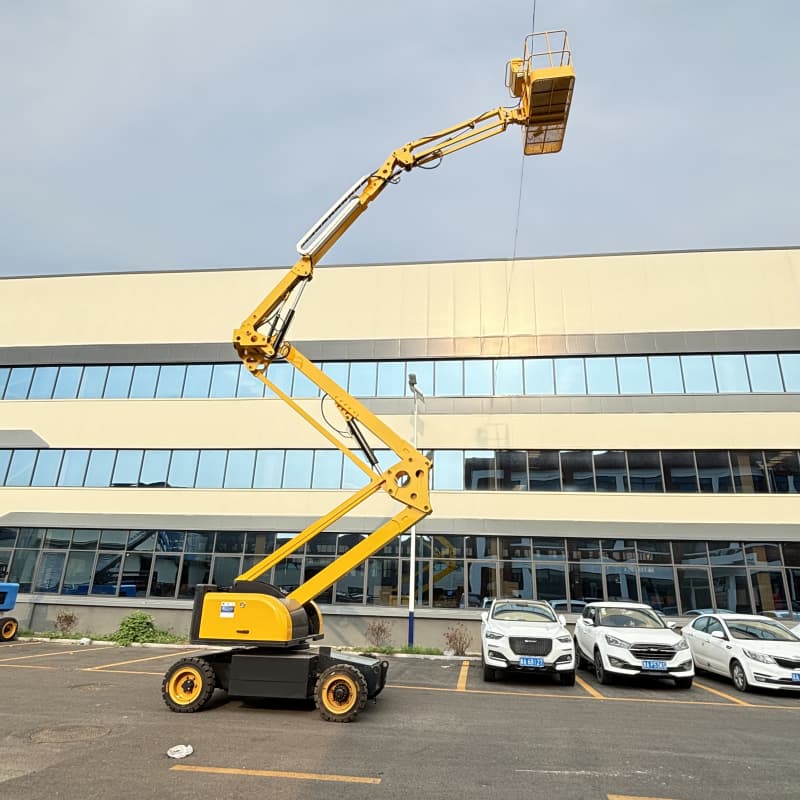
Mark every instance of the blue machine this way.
pixel 8 597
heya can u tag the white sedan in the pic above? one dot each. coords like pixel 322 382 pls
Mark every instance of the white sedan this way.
pixel 752 650
pixel 525 636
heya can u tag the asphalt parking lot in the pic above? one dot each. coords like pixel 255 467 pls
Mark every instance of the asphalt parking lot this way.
pixel 89 722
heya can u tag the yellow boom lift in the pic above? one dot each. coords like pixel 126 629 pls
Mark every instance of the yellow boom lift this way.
pixel 266 633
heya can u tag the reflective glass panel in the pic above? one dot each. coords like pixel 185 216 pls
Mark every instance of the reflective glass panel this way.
pixel 281 375
pixel 211 469
pixel 583 549
pixel 4 372
pixel 113 540
pixel 22 566
pixel 19 382
pixel 714 471
pixel 448 584
pixel 249 385
pixel 323 544
pixel 67 383
pixel 611 471
pixel 424 372
pixel 44 380
pixel 570 376
pixel 480 546
pixel 327 472
pixel 695 589
pixel 198 380
pixel 269 469
pixel 352 476
pixel 135 575
pixel 98 473
pixel 93 382
pixel 539 376
pixel 680 473
pixel 164 580
pixel 391 379
pixel 303 387
pixel 601 375
pixel 239 469
pixel 544 474
pixel 143 385
pixel 229 542
pixel 143 541
pixel 731 591
pixel 790 367
pixel 126 468
pixel 170 541
pixel 106 573
pixel 508 377
pixel 783 471
pixel 791 555
pixel 478 378
pixel 382 580
pixel 763 554
pixel 182 468
pixel 48 575
pixel 226 570
pixel 621 584
pixel 765 375
pixel 224 379
pixel 260 542
pixel 194 569
pixel 118 383
pixel 690 552
pixel 479 470
pixel 731 373
pixel 47 466
pixel 618 550
pixel 155 468
pixel 297 469
pixel 726 553
pixel 447 546
pixel 85 539
pixel 551 585
pixel 170 380
pixel 634 377
pixel 363 375
pixel 653 551
pixel 576 471
pixel 482 583
pixel 547 549
pixel 20 470
pixel 315 565
pixel 449 379
pixel 665 372
pixel 748 471
pixel 78 574
pixel 30 537
pixel 199 541
pixel 769 591
pixel 338 371
pixel 586 582
pixel 8 538
pixel 698 374
pixel 658 589
pixel 448 469
pixel 57 538
pixel 512 469
pixel 5 458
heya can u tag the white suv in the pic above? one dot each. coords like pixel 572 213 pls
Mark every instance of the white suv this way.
pixel 631 639
pixel 526 636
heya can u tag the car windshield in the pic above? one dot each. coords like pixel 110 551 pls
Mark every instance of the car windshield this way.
pixel 629 618
pixel 522 612
pixel 760 629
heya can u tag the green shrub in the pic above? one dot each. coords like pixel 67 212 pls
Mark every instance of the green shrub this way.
pixel 140 627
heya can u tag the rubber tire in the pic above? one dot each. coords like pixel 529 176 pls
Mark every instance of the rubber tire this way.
pixel 180 696
pixel 340 693
pixel 580 661
pixel 684 683
pixel 600 671
pixel 567 678
pixel 489 673
pixel 737 670
pixel 8 628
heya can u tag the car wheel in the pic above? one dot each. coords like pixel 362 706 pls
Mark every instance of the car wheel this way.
pixel 489 674
pixel 599 669
pixel 739 676
pixel 580 661
pixel 683 683
pixel 567 678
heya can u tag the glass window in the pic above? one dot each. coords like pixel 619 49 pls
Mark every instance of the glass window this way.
pixel 259 542
pixel 200 541
pixel 118 383
pixel 4 371
pixel 769 591
pixel 601 375
pixel 680 473
pixel 618 550
pixel 30 537
pixel 748 471
pixel 731 591
pixel 106 573
pixel 142 541
pixel 765 374
pixel 135 575
pixel 621 584
pixel 127 468
pixel 155 468
pixel 226 570
pixel 634 377
pixel 297 469
pixel 791 555
pixel 57 538
pixel 512 469
pixel 424 372
pixel 170 541
pixel 363 375
pixel 315 565
pixel 763 554
pixel 22 567
pixel 338 371
pixel 198 380
pixel 783 471
pixel 183 468
pixel 544 474
pixel 539 376
pixel 93 382
pixel 586 582
pixel 576 471
pixel 248 384
pixel 48 576
pixel 47 466
pixel 570 376
pixel 143 385
pixel 447 584
pixel 19 382
pixel 229 542
pixel 101 463
pixel 67 383
pixel 698 374
pixel 790 367
pixel 78 574
pixel 20 470
pixel 584 549
pixel 323 544
pixel 224 378
pixel 73 468
pixel 665 372
pixel 691 552
pixel 164 578
pixel 726 553
pixel 8 538
pixel 478 378
pixel 85 539
pixel 611 471
pixel 282 375
pixel 448 469
pixel 170 380
pixel 195 569
pixel 480 546
pixel 551 585
pixel 479 470
pixel 269 469
pixel 382 580
pixel 391 379
pixel 731 373
pixel 549 549
pixel 211 469
pixel 44 380
pixel 508 376
pixel 482 583
pixel 5 458
pixel 653 551
pixel 113 540
pixel 239 469
pixel 327 473
pixel 694 588
pixel 658 589
pixel 449 379
pixel 644 467
pixel 714 471
pixel 303 387
pixel 352 476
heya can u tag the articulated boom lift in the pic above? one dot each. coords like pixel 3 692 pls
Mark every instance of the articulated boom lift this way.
pixel 269 631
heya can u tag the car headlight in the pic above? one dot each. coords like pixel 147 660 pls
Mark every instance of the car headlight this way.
pixel 761 657
pixel 682 644
pixel 493 635
pixel 614 642
pixel 564 639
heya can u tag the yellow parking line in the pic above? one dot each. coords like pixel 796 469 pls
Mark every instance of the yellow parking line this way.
pixel 723 694
pixel 56 653
pixel 590 689
pixel 139 660
pixel 270 773
pixel 462 676
pixel 25 666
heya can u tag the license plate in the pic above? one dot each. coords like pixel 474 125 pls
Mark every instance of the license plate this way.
pixel 658 666
pixel 796 677
pixel 531 661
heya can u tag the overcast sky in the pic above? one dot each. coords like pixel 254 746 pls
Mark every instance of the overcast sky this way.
pixel 192 134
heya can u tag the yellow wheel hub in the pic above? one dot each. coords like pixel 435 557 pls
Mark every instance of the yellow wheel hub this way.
pixel 339 693
pixel 9 629
pixel 185 686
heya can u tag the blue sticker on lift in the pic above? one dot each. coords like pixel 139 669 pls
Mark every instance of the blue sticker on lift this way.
pixel 226 610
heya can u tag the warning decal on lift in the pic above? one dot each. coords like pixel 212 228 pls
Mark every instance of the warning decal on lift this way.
pixel 226 610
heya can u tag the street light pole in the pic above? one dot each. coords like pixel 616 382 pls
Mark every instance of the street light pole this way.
pixel 412 578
